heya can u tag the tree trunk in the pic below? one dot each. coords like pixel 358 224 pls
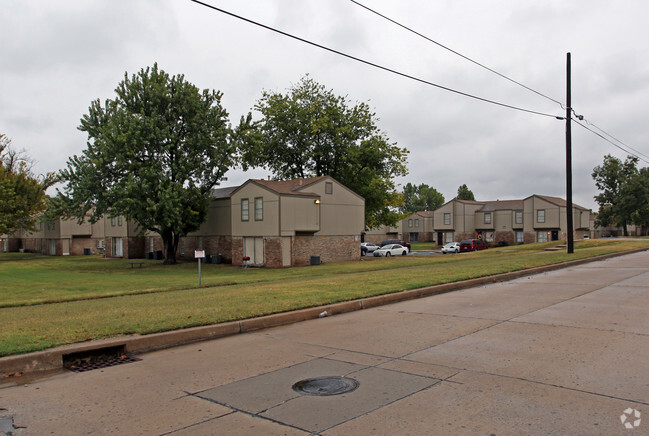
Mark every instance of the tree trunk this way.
pixel 169 239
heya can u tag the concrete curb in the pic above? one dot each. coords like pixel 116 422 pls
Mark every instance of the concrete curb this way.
pixel 48 361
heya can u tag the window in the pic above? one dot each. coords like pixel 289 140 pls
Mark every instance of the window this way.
pixel 112 221
pixel 447 219
pixel 245 207
pixel 329 188
pixel 118 247
pixel 518 217
pixel 409 223
pixel 416 223
pixel 540 216
pixel 542 237
pixel 487 218
pixel 119 221
pixel 520 238
pixel 259 209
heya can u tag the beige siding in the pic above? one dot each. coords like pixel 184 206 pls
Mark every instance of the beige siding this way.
pixel 299 214
pixel 342 212
pixel 219 219
pixel 269 225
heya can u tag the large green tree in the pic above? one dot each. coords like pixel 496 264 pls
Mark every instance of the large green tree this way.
pixel 22 194
pixel 420 198
pixel 153 155
pixel 464 193
pixel 310 131
pixel 620 200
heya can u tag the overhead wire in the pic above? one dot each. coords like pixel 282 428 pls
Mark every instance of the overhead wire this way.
pixel 611 142
pixel 509 79
pixel 457 53
pixel 372 64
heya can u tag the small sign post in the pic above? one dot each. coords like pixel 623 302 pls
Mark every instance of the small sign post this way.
pixel 199 254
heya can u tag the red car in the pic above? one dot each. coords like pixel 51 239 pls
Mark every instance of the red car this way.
pixel 472 245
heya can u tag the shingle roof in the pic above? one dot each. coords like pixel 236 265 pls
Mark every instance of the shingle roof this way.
pixel 223 192
pixel 559 201
pixel 426 213
pixel 490 206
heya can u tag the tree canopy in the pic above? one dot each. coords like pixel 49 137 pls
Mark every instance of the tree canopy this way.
pixel 420 198
pixel 464 193
pixel 310 131
pixel 153 155
pixel 22 194
pixel 624 193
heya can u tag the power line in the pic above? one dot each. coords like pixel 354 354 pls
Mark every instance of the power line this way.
pixel 611 142
pixel 615 139
pixel 372 64
pixel 458 53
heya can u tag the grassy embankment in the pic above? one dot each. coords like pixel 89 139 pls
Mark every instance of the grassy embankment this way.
pixel 50 301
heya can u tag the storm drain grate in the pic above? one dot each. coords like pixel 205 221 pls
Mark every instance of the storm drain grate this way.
pixel 97 359
pixel 325 386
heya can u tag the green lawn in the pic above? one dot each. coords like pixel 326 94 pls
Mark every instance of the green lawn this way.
pixel 49 301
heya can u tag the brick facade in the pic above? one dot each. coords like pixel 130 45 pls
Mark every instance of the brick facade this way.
pixel 329 248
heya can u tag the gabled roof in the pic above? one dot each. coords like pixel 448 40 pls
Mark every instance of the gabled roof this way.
pixel 490 206
pixel 557 201
pixel 426 213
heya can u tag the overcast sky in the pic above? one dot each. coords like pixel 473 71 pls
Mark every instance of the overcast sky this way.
pixel 56 57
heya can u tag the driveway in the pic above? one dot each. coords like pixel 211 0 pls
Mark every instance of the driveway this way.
pixel 563 352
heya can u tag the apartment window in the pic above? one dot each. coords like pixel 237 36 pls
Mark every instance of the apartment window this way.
pixel 540 216
pixel 245 208
pixel 119 221
pixel 416 223
pixel 112 221
pixel 448 237
pixel 409 223
pixel 329 188
pixel 487 218
pixel 520 238
pixel 542 237
pixel 447 219
pixel 518 217
pixel 259 209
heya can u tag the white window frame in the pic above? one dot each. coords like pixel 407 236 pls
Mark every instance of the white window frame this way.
pixel 447 219
pixel 540 216
pixel 259 208
pixel 487 218
pixel 520 237
pixel 542 237
pixel 245 209
pixel 416 222
pixel 410 223
pixel 518 217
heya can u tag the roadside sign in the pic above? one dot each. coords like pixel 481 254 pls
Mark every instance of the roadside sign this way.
pixel 199 254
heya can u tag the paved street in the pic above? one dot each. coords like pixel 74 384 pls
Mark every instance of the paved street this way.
pixel 563 352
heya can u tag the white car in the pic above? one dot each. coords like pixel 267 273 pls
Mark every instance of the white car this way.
pixel 451 247
pixel 391 250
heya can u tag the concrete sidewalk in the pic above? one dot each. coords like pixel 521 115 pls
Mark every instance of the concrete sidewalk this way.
pixel 563 352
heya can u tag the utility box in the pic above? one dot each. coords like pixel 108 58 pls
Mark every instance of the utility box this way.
pixel 315 260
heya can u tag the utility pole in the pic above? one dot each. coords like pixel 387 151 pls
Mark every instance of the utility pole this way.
pixel 570 240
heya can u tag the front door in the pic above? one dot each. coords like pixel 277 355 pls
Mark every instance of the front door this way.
pixel 555 235
pixel 440 238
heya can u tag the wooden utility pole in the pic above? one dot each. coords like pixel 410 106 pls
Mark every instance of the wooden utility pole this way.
pixel 570 239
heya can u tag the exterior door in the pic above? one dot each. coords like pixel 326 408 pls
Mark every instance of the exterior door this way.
pixel 440 238
pixel 253 247
pixel 66 247
pixel 52 246
pixel 118 248
pixel 555 235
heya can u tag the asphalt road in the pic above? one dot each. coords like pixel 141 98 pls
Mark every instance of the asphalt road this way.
pixel 563 352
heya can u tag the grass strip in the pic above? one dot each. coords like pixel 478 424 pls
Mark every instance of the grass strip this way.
pixel 37 327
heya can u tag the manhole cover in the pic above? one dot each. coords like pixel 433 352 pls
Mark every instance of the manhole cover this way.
pixel 323 386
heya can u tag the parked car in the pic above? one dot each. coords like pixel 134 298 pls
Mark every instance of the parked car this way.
pixel 473 245
pixel 451 247
pixel 391 250
pixel 367 247
pixel 396 241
